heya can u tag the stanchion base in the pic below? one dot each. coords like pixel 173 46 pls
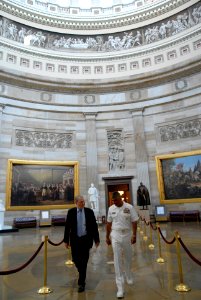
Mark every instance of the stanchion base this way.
pixel 145 238
pixel 69 263
pixel 45 290
pixel 160 260
pixel 182 288
pixel 151 246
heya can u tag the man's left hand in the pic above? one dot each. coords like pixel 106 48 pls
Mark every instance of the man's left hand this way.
pixel 97 244
pixel 133 239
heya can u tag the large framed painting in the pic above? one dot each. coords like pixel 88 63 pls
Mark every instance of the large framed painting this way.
pixel 179 177
pixel 33 185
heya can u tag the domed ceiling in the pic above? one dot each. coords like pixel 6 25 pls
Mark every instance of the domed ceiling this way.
pixel 64 48
pixel 89 8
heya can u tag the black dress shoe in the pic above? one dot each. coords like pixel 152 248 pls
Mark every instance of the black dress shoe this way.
pixel 81 288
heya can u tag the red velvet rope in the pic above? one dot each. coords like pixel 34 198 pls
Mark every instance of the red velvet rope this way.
pixel 25 265
pixel 188 252
pixel 154 228
pixel 168 242
pixel 55 244
pixel 144 220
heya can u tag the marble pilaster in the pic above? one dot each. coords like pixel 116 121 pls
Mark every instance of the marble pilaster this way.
pixel 91 149
pixel 142 170
pixel 1 112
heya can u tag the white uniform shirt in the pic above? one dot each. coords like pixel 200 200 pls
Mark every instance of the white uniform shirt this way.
pixel 122 217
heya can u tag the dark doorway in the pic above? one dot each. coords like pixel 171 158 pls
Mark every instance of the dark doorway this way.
pixel 121 184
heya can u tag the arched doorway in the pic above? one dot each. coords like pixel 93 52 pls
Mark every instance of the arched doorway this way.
pixel 121 184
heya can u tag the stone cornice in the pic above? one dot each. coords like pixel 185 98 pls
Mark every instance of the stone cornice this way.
pixel 86 87
pixel 138 112
pixel 90 116
pixel 35 19
pixel 2 106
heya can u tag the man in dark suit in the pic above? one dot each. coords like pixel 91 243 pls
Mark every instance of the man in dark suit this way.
pixel 81 231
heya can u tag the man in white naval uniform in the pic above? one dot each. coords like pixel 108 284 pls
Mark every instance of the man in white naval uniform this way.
pixel 121 233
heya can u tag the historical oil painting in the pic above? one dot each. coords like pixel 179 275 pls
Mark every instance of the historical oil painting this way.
pixel 179 177
pixel 41 184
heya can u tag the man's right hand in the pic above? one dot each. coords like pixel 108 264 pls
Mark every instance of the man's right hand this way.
pixel 67 245
pixel 108 241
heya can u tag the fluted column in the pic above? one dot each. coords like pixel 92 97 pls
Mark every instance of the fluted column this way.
pixel 140 148
pixel 91 149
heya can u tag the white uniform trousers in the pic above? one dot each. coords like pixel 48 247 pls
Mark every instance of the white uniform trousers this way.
pixel 122 250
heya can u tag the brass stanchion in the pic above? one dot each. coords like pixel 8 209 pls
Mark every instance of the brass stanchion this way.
pixel 181 287
pixel 110 255
pixel 69 262
pixel 45 289
pixel 141 230
pixel 138 226
pixel 151 245
pixel 159 260
pixel 145 238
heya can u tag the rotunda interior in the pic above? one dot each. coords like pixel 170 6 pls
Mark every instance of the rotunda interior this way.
pixel 103 94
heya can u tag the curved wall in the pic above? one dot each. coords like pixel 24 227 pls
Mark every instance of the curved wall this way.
pixel 141 119
pixel 129 101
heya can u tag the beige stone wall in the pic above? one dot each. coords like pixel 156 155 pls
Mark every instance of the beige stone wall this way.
pixel 160 105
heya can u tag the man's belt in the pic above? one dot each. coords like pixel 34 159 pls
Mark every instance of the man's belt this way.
pixel 121 230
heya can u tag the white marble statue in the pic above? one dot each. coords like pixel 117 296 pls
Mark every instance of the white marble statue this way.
pixel 93 197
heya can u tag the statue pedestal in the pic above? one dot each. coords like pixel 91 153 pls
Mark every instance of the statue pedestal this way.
pixel 5 228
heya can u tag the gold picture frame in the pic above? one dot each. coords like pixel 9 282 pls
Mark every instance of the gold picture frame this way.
pixel 179 177
pixel 39 185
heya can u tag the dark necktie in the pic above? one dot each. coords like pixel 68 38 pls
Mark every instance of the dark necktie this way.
pixel 80 223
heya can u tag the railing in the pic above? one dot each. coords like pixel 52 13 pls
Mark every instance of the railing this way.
pixel 143 225
pixel 181 287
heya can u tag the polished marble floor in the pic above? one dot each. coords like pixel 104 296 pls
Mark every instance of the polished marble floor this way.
pixel 152 281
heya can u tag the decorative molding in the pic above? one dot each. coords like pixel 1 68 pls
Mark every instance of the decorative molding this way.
pixel 137 112
pixel 159 59
pixel 116 150
pixel 2 107
pixel 89 99
pixel 181 84
pixel 116 41
pixel 2 89
pixel 123 56
pixel 47 97
pixel 135 95
pixel 41 139
pixel 143 80
pixel 180 130
pixel 90 115
pixel 164 72
pixel 90 23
